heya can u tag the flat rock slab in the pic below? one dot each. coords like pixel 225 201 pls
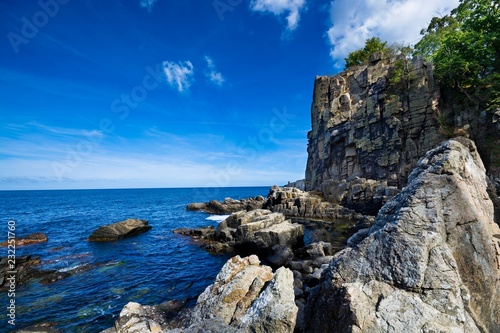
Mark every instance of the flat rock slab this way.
pixel 119 230
pixel 34 238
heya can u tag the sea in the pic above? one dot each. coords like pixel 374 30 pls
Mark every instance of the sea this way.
pixel 151 268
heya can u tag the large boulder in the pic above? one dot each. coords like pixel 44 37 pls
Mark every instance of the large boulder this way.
pixel 429 263
pixel 137 318
pixel 274 310
pixel 119 230
pixel 236 286
pixel 245 297
pixel 258 231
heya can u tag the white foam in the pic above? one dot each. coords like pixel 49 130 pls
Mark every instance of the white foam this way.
pixel 217 218
pixel 70 268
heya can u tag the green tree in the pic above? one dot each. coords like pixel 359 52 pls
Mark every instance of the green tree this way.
pixel 465 49
pixel 361 56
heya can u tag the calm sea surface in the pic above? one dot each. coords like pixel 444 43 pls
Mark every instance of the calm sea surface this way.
pixel 151 268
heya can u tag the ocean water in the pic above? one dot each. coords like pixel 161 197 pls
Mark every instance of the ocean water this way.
pixel 151 268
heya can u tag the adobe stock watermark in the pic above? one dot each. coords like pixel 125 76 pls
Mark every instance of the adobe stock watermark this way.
pixel 30 27
pixel 250 150
pixel 120 106
pixel 223 6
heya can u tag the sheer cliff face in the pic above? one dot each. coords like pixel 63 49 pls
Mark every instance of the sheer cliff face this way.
pixel 372 122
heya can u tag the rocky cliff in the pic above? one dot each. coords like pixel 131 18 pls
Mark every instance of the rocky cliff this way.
pixel 429 263
pixel 369 122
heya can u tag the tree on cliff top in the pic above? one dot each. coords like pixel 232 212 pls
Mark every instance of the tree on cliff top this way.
pixel 465 49
pixel 361 56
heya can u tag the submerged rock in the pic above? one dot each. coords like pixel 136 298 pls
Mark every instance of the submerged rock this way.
pixel 245 297
pixel 119 230
pixel 34 238
pixel 429 263
pixel 24 269
pixel 40 328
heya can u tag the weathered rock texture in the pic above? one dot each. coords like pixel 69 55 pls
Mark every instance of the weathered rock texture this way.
pixel 258 231
pixel 119 230
pixel 137 318
pixel 365 125
pixel 245 297
pixel 429 263
pixel 296 203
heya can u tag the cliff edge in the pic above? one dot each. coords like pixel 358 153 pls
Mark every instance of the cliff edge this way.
pixel 367 122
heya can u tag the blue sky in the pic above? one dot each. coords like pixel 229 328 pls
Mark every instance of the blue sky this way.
pixel 157 93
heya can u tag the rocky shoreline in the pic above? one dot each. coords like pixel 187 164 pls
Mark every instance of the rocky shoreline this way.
pixel 426 262
pixel 397 230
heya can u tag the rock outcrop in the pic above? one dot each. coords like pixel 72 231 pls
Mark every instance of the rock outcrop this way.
pixel 34 238
pixel 296 203
pixel 367 124
pixel 27 267
pixel 300 184
pixel 245 297
pixel 119 230
pixel 429 263
pixel 259 231
pixel 227 206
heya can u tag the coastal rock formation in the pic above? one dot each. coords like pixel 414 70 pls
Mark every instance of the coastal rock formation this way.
pixel 34 238
pixel 300 184
pixel 227 206
pixel 296 203
pixel 362 195
pixel 258 231
pixel 119 230
pixel 429 263
pixel 367 124
pixel 27 267
pixel 245 297
pixel 137 318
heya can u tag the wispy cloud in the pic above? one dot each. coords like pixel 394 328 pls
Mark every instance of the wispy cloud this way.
pixel 179 75
pixel 290 8
pixel 158 159
pixel 212 74
pixel 148 4
pixel 392 20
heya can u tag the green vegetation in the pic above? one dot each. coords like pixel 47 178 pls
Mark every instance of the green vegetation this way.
pixel 400 76
pixel 361 56
pixel 465 49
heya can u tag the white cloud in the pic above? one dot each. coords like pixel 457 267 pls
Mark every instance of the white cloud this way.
pixel 148 4
pixel 291 8
pixel 392 20
pixel 212 74
pixel 179 75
